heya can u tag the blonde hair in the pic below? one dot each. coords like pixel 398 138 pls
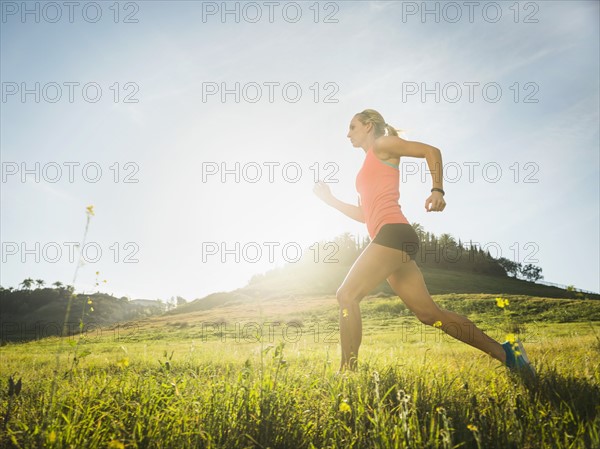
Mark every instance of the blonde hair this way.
pixel 380 127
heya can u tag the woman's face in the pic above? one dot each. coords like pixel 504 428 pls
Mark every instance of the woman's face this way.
pixel 358 132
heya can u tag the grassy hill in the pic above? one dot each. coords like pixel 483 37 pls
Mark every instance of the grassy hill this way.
pixel 245 371
pixel 31 315
pixel 256 367
pixel 39 313
pixel 293 283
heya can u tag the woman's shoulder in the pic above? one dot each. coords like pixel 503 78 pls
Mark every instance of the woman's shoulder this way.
pixel 383 149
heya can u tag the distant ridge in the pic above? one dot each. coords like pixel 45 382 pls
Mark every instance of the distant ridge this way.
pixel 291 282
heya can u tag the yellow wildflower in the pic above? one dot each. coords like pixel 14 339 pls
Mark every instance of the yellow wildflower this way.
pixel 501 302
pixel 114 444
pixel 472 427
pixel 89 210
pixel 345 313
pixel 123 363
pixel 437 324
pixel 345 408
pixel 511 338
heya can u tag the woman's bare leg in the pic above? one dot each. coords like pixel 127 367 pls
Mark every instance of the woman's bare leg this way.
pixel 409 285
pixel 374 264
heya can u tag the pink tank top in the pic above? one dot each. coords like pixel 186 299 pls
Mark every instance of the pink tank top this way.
pixel 378 184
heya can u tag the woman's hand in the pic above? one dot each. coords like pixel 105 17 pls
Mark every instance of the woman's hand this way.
pixel 322 191
pixel 435 202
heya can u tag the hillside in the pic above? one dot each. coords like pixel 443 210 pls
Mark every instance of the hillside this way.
pixel 271 363
pixel 36 314
pixel 289 282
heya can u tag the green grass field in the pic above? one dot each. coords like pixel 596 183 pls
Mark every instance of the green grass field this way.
pixel 262 374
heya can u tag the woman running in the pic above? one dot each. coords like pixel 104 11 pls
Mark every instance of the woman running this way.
pixel 394 243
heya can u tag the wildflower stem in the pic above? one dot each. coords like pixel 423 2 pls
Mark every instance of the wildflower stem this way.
pixel 48 416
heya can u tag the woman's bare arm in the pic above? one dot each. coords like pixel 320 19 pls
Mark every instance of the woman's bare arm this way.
pixel 355 212
pixel 393 146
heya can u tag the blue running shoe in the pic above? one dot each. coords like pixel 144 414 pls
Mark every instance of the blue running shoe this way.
pixel 516 358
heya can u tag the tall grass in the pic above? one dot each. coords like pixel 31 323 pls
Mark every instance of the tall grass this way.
pixel 416 393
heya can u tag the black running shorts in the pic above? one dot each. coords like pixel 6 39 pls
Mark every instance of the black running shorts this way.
pixel 400 236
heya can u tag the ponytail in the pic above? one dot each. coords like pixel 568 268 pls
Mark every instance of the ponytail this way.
pixel 390 130
pixel 379 125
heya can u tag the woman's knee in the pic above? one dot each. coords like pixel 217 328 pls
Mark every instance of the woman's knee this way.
pixel 429 316
pixel 345 296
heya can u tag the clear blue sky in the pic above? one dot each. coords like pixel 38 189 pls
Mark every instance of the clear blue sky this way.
pixel 532 194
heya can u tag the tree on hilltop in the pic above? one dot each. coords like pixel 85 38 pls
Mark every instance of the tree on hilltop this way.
pixel 531 272
pixel 510 266
pixel 447 240
pixel 27 283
